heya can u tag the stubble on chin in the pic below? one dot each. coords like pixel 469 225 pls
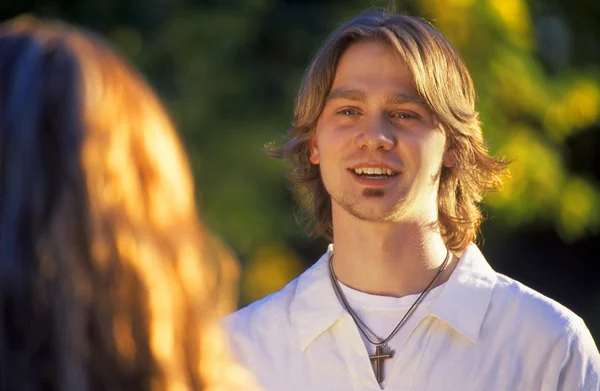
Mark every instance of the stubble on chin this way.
pixel 353 206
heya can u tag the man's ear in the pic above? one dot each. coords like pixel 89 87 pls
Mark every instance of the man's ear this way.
pixel 314 151
pixel 448 160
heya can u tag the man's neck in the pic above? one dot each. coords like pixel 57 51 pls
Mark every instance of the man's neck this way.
pixel 390 259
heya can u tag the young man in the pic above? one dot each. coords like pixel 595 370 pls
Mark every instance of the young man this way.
pixel 387 145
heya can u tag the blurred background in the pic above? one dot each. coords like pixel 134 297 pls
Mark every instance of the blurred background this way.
pixel 228 72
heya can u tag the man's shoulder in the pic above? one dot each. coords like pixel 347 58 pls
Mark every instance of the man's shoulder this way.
pixel 262 333
pixel 533 310
pixel 274 312
pixel 541 328
pixel 270 311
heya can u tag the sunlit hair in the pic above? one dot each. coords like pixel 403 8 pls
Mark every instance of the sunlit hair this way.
pixel 443 82
pixel 109 281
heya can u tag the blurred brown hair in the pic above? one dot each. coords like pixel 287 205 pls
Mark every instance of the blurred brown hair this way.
pixel 443 82
pixel 109 280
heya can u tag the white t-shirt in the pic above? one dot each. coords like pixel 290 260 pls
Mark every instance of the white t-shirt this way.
pixel 482 332
pixel 382 314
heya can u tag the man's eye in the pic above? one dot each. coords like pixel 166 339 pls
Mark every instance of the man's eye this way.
pixel 403 115
pixel 348 112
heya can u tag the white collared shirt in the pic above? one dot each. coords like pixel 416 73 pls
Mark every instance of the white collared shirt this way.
pixel 483 331
pixel 382 314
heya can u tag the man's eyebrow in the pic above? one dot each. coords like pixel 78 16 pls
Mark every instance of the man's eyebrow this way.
pixel 355 95
pixel 361 96
pixel 406 98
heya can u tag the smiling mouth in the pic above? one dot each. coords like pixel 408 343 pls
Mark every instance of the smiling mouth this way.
pixel 373 172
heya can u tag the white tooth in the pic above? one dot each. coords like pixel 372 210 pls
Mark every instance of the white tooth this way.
pixel 370 171
pixel 377 170
pixel 389 172
pixel 358 170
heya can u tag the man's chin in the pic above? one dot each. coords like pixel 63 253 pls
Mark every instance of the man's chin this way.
pixel 373 205
pixel 373 213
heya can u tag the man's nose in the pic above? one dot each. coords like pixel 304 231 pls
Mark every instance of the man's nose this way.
pixel 376 134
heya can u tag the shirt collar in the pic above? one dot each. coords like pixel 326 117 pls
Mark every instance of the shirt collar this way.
pixel 315 307
pixel 467 294
pixel 462 303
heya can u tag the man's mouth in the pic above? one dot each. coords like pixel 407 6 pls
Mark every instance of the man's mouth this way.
pixel 374 172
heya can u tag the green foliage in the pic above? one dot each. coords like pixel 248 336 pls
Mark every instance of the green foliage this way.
pixel 229 71
pixel 529 114
pixel 229 75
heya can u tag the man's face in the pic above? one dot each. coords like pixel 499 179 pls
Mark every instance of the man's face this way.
pixel 379 149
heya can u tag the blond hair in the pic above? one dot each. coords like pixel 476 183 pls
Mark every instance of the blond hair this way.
pixel 445 85
pixel 110 282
